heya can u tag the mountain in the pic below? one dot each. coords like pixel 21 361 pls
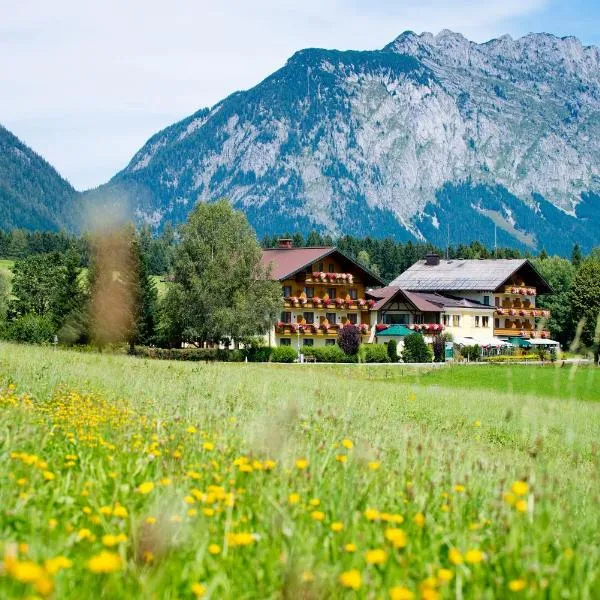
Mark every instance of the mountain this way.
pixel 32 194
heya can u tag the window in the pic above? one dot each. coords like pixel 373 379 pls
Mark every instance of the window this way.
pixel 352 293
pixel 476 320
pixel 287 291
pixel 320 269
pixel 497 300
pixel 331 317
pixel 395 319
pixel 353 318
pixel 285 342
pixel 455 320
pixel 310 292
pixel 309 317
pixel 497 323
pixel 331 293
pixel 446 320
pixel 419 319
pixel 485 321
pixel 286 317
pixel 308 342
pixel 486 300
pixel 331 268
pixel 330 342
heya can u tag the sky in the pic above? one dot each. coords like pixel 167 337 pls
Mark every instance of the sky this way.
pixel 85 83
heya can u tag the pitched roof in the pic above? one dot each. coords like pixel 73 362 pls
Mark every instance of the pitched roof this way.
pixel 286 262
pixel 446 301
pixel 462 274
pixel 386 294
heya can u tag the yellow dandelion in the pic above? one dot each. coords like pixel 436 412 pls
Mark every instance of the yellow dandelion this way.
pixel 348 444
pixel 455 556
pixel 307 577
pixel 294 498
pixel 342 458
pixel 146 487
pixel 399 592
pixel 49 475
pixel 198 590
pixel 350 547
pixel 337 526
pixel 301 463
pixel 120 511
pixel 105 562
pixel 460 489
pixel 44 586
pixel 214 549
pixel 521 505
pixel 314 502
pixel 376 556
pixel 26 571
pixel 419 519
pixel 191 429
pixel 517 585
pixel 474 556
pixel 150 520
pixel 374 465
pixel 372 514
pixel 519 488
pixel 445 574
pixel 396 536
pixel 317 515
pixel 351 579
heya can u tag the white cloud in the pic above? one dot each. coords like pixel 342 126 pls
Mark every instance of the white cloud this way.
pixel 87 83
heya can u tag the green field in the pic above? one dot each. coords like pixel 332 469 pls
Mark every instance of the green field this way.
pixel 6 266
pixel 242 480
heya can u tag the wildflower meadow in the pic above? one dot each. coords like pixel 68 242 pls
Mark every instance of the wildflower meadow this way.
pixel 129 478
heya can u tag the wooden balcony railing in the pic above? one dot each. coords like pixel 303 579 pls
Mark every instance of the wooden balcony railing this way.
pixel 522 312
pixel 526 333
pixel 328 304
pixel 520 290
pixel 314 329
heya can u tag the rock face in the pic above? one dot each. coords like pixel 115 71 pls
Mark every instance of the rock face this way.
pixel 432 137
pixel 32 194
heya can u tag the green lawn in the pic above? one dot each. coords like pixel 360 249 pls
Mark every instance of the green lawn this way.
pixel 279 481
pixel 6 266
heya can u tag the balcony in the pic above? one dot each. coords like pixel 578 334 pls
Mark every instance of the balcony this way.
pixel 522 312
pixel 525 333
pixel 322 329
pixel 331 278
pixel 328 303
pixel 520 290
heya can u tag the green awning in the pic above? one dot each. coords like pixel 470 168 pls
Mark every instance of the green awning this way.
pixel 396 331
pixel 520 342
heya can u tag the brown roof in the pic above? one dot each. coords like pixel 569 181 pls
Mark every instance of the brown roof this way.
pixel 286 262
pixel 388 293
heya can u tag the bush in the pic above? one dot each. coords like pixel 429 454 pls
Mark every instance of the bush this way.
pixel 510 358
pixel 348 339
pixel 329 354
pixel 283 354
pixel 259 354
pixel 415 349
pixel 192 354
pixel 374 353
pixel 439 349
pixel 392 350
pixel 471 353
pixel 30 329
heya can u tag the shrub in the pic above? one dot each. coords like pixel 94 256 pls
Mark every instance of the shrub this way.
pixel 192 354
pixel 283 354
pixel 374 353
pixel 259 354
pixel 392 350
pixel 439 349
pixel 31 329
pixel 329 354
pixel 348 339
pixel 415 349
pixel 502 358
pixel 471 353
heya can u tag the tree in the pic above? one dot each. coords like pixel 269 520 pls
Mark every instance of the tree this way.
pixel 48 285
pixel 221 290
pixel 559 273
pixel 576 255
pixel 348 339
pixel 4 293
pixel 392 350
pixel 584 301
pixel 439 349
pixel 415 349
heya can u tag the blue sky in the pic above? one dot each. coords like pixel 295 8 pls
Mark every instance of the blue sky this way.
pixel 85 84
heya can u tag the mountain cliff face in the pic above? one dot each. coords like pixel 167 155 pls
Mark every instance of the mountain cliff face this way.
pixel 32 194
pixel 432 137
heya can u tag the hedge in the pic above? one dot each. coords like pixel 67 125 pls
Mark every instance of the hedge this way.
pixel 283 354
pixel 374 353
pixel 192 354
pixel 329 354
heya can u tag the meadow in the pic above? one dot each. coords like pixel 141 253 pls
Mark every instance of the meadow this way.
pixel 122 477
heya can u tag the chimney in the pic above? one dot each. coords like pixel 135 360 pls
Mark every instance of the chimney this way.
pixel 432 259
pixel 285 243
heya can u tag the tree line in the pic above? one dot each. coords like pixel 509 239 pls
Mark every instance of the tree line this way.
pixel 99 289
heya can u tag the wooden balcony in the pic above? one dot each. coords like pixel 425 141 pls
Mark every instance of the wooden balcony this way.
pixel 516 312
pixel 319 304
pixel 525 333
pixel 520 290
pixel 314 329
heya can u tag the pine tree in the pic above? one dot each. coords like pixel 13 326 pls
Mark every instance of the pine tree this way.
pixel 576 255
